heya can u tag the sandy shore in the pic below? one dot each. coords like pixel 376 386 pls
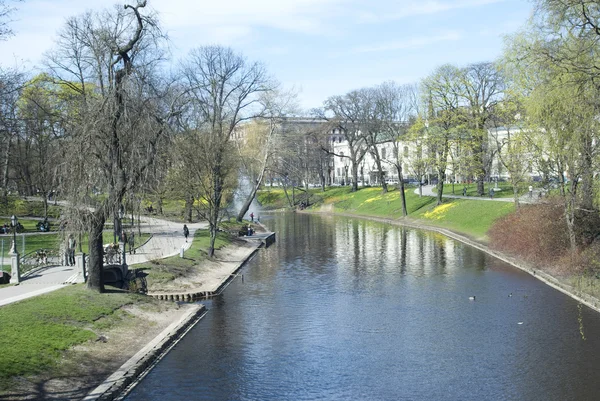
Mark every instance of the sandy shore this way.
pixel 208 279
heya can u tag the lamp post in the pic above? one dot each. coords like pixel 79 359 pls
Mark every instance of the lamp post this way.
pixel 15 276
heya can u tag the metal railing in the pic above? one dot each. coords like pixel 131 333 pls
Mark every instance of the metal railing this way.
pixel 40 258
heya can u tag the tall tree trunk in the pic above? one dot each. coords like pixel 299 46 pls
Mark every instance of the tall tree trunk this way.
pixel 381 175
pixel 189 203
pixel 354 177
pixel 402 194
pixel 286 194
pixel 46 205
pixel 587 175
pixel 440 187
pixel 252 194
pixel 95 268
pixel 159 205
pixel 5 169
pixel 216 205
pixel 442 163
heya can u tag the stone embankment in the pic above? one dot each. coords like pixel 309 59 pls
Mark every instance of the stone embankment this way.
pixel 139 364
pixel 213 281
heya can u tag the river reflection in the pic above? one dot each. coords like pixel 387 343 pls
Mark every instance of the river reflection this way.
pixel 344 309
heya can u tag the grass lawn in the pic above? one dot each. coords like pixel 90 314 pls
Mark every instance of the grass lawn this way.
pixel 470 217
pixel 506 190
pixel 168 269
pixel 20 207
pixel 172 209
pixel 272 198
pixel 35 331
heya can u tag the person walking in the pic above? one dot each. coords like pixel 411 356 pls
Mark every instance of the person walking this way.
pixel 530 191
pixel 252 217
pixel 131 242
pixel 186 232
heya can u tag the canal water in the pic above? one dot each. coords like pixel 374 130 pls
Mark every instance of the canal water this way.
pixel 346 309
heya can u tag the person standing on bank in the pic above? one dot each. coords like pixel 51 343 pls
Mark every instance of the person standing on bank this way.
pixel 72 243
pixel 186 232
pixel 252 217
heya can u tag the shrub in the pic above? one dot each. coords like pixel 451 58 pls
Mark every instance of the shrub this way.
pixel 585 261
pixel 587 226
pixel 536 233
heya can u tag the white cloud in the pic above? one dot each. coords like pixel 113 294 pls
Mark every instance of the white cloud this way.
pixel 410 43
pixel 414 8
pixel 303 16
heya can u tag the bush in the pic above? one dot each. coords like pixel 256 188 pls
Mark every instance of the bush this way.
pixel 536 233
pixel 584 262
pixel 587 226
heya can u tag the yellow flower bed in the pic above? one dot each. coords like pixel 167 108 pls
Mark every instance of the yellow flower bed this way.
pixel 439 212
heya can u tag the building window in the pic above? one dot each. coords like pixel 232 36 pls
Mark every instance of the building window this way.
pixel 406 151
pixel 383 153
pixel 338 172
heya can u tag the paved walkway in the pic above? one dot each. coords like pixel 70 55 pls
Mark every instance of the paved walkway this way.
pixel 429 190
pixel 167 240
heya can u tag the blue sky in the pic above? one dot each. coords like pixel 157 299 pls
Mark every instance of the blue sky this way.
pixel 319 47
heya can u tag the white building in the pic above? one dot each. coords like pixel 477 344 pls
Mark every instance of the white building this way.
pixel 411 155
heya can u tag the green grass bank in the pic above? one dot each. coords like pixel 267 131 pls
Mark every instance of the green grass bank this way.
pixel 469 217
pixel 35 332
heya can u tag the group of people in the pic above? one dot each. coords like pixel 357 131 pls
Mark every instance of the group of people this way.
pixel 6 228
pixel 41 257
pixel 128 240
pixel 43 226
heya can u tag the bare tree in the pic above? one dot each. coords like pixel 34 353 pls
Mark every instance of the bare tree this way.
pixel 11 84
pixel 116 116
pixel 224 90
pixel 441 96
pixel 347 116
pixel 6 11
pixel 480 89
pixel 371 123
pixel 396 104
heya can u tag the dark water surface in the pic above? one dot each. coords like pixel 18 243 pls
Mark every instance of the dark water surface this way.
pixel 344 309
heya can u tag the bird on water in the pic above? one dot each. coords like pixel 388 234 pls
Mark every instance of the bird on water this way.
pixel 472 298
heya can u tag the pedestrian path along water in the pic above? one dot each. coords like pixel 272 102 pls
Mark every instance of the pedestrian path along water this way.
pixel 167 240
